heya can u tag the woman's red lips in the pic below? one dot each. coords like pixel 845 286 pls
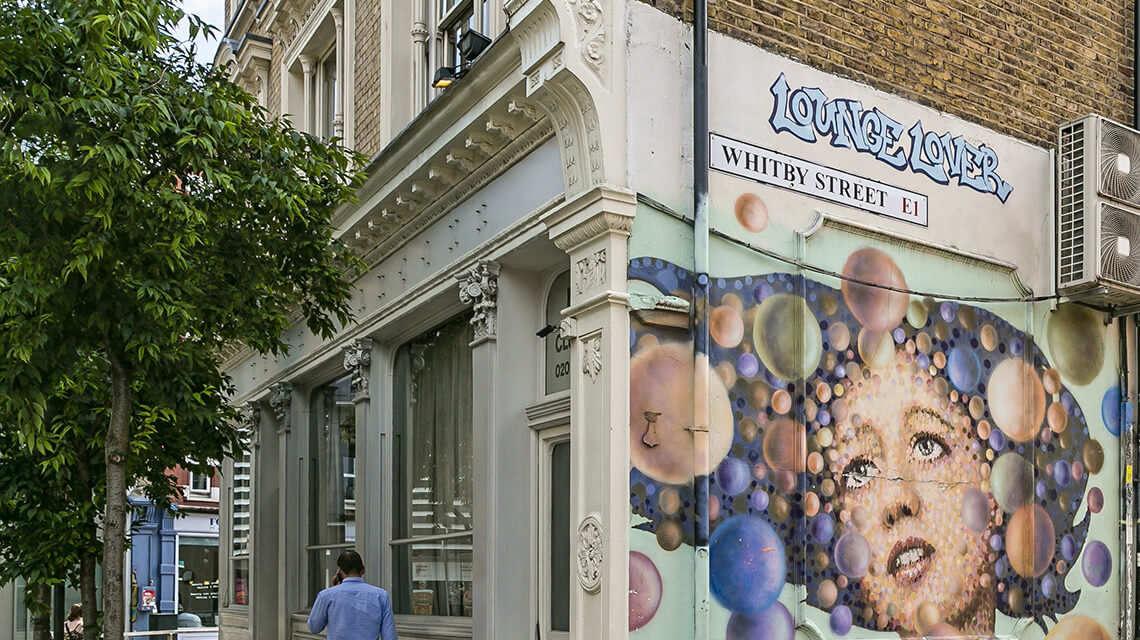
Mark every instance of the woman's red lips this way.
pixel 909 559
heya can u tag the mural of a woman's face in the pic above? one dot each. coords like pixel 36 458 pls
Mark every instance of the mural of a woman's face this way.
pixel 909 452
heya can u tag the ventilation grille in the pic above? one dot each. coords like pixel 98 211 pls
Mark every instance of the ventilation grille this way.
pixel 1120 246
pixel 1071 208
pixel 1119 163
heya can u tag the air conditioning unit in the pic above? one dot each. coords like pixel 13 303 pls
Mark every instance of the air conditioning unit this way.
pixel 1098 212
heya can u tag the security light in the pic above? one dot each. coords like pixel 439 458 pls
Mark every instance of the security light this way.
pixel 471 44
pixel 444 77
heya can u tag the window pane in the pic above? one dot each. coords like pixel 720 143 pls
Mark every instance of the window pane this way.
pixel 198 578
pixel 560 537
pixel 439 583
pixel 432 455
pixel 328 99
pixel 241 580
pixel 332 463
pixel 241 498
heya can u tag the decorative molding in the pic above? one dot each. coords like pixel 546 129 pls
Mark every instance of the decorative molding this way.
pixel 597 225
pixel 479 287
pixel 592 357
pixel 590 272
pixel 549 413
pixel 591 555
pixel 358 360
pixel 281 400
pixel 567 101
pixel 512 6
pixel 568 328
pixel 591 33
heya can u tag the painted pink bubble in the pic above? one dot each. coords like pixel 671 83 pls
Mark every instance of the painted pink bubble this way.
pixel 852 555
pixel 878 309
pixel 1016 399
pixel 1078 628
pixel 751 212
pixel 726 326
pixel 645 589
pixel 1095 500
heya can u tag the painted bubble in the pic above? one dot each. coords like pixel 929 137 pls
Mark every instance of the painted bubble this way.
pixel 747 365
pixel 726 326
pixel 1096 500
pixel 927 616
pixel 1096 563
pixel 975 510
pixel 1093 455
pixel 781 402
pixel 749 430
pixel 1051 381
pixel 852 555
pixel 661 409
pixel 876 348
pixel 822 528
pixel 1057 417
pixel 977 407
pixel 988 337
pixel 997 439
pixel 732 300
pixel 727 373
pixel 644 590
pixel 747 564
pixel 839 336
pixel 967 317
pixel 1011 482
pixel 965 368
pixel 1073 627
pixel 840 620
pixel 779 509
pixel 775 623
pixel 1110 410
pixel 1076 340
pixel 759 500
pixel 876 308
pixel 785 480
pixel 942 630
pixel 1030 541
pixel 815 462
pixel 785 445
pixel 1062 473
pixel 751 212
pixel 787 336
pixel 1048 585
pixel 827 593
pixel 733 475
pixel 916 314
pixel 1016 399
pixel 669 501
pixel 1069 547
pixel 669 535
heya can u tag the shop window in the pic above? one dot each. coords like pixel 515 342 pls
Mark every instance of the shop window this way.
pixel 432 456
pixel 332 465
pixel 240 510
pixel 198 580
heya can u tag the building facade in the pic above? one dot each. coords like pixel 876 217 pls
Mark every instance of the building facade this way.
pixel 855 406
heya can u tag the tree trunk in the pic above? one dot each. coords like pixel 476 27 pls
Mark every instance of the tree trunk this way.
pixel 116 448
pixel 87 596
pixel 87 564
pixel 41 623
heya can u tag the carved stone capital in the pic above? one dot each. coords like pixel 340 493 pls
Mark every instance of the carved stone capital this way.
pixel 479 287
pixel 603 222
pixel 249 427
pixel 281 400
pixel 358 360
pixel 591 555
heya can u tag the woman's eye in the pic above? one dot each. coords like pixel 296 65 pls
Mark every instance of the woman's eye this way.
pixel 859 472
pixel 927 447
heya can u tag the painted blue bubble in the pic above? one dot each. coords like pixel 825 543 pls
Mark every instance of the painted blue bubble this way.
pixel 1040 489
pixel 762 291
pixel 1001 567
pixel 922 360
pixel 775 623
pixel 840 371
pixel 733 475
pixel 1016 346
pixel 997 440
pixel 650 489
pixel 1048 585
pixel 822 528
pixel 899 335
pixel 965 368
pixel 840 620
pixel 759 500
pixel 1067 401
pixel 747 364
pixel 823 417
pixel 1110 410
pixel 720 283
pixel 1068 547
pixel 774 381
pixel 1096 563
pixel 666 280
pixel 747 564
pixel 1061 473
pixel 995 542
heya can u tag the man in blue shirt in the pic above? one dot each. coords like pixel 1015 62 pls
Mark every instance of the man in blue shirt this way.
pixel 351 608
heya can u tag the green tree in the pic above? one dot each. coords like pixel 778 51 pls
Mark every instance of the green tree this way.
pixel 150 213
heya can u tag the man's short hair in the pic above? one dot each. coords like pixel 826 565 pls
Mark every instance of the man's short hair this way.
pixel 350 562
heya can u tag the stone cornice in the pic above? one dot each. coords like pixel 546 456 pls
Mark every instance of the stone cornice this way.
pixel 600 210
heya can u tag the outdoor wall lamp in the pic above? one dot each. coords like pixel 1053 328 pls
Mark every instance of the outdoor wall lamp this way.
pixel 470 45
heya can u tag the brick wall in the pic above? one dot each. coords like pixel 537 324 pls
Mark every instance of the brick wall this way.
pixel 367 91
pixel 1020 67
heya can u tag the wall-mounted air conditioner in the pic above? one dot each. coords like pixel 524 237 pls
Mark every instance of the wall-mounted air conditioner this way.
pixel 1098 212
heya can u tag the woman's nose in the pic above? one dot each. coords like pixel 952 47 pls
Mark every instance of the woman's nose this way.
pixel 902 502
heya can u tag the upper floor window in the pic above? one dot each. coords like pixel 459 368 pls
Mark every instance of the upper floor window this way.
pixel 199 483
pixel 329 120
